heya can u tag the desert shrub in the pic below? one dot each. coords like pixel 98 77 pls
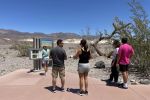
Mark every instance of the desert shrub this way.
pixel 141 58
pixel 138 34
pixel 22 47
pixel 139 37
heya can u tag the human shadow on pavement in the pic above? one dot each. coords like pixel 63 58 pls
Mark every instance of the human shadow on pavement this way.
pixel 42 74
pixel 75 91
pixel 50 88
pixel 109 83
pixel 30 71
pixel 114 84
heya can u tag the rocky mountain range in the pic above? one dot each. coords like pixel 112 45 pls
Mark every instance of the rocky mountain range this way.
pixel 16 34
pixel 7 36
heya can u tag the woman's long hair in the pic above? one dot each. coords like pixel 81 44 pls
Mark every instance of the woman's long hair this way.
pixel 83 43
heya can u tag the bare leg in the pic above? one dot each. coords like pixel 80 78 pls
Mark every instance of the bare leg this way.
pixel 54 83
pixel 81 77
pixel 125 76
pixel 86 81
pixel 46 68
pixel 62 82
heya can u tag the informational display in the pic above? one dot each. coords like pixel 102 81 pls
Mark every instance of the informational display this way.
pixel 46 42
pixel 35 54
pixel 36 51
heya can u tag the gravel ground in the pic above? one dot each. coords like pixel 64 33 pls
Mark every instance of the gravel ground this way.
pixel 9 61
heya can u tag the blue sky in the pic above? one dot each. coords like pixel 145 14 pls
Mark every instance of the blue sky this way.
pixel 49 16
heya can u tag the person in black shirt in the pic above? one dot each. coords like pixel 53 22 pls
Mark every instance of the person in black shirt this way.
pixel 84 56
pixel 114 69
pixel 58 56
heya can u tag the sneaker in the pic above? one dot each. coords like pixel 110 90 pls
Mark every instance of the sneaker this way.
pixel 109 81
pixel 68 89
pixel 54 90
pixel 81 93
pixel 62 89
pixel 86 92
pixel 123 86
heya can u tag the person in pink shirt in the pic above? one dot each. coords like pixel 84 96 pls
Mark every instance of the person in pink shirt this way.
pixel 124 55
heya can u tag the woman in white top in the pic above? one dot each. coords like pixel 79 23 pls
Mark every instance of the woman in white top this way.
pixel 45 58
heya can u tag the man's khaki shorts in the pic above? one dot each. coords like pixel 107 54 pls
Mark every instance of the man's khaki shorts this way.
pixel 58 70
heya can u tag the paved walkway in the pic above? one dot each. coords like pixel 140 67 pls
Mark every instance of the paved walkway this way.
pixel 20 85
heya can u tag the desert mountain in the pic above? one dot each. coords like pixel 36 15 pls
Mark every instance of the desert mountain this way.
pixel 13 34
pixel 7 36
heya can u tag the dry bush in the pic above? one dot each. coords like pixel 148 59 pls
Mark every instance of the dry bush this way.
pixel 141 58
pixel 141 38
pixel 22 47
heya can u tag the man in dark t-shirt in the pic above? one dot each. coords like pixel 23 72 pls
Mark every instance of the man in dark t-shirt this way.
pixel 58 56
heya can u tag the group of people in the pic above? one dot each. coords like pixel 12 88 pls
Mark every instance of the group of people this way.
pixel 120 59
